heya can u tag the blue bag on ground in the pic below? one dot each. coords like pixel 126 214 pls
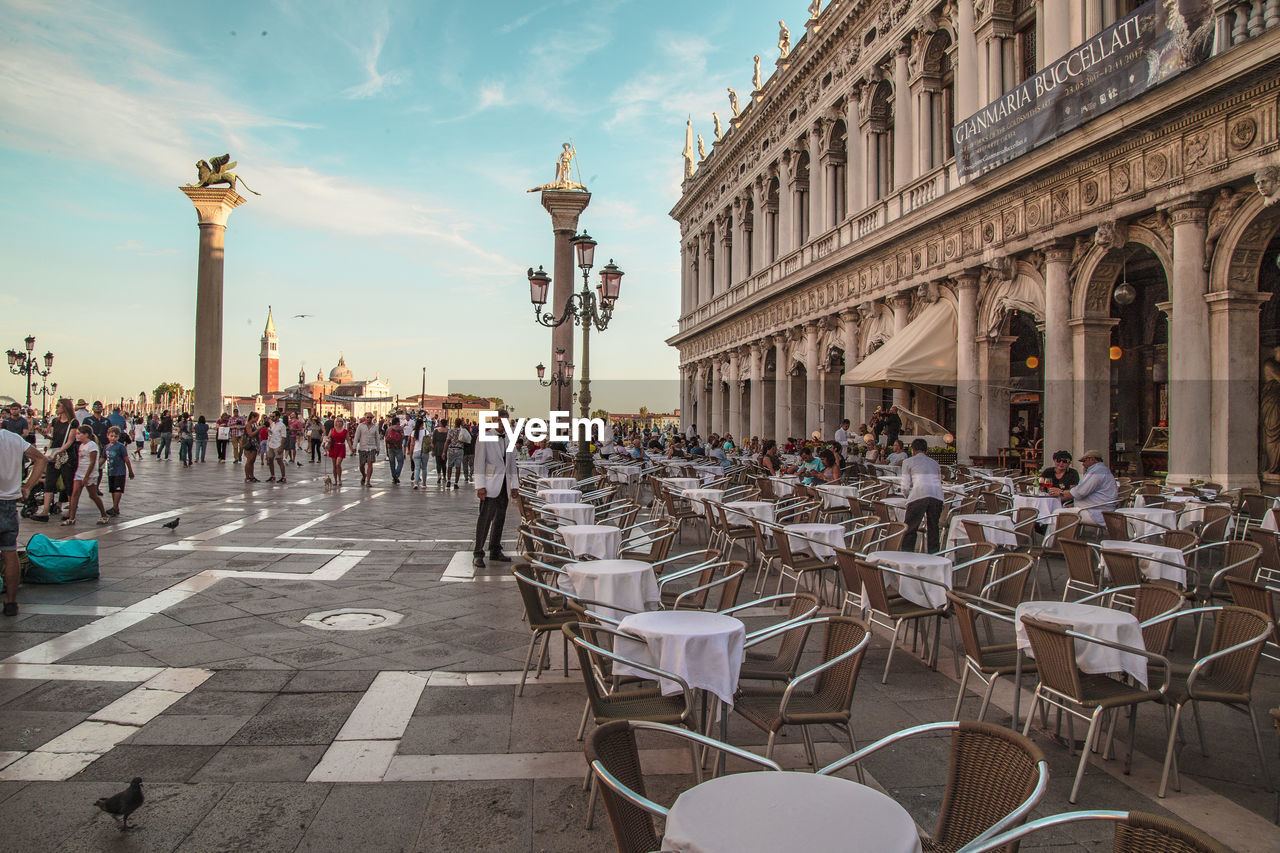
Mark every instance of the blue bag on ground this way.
pixel 61 560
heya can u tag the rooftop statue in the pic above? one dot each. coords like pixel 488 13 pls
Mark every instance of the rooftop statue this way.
pixel 217 170
pixel 733 101
pixel 564 174
pixel 715 117
pixel 784 40
pixel 702 148
pixel 756 82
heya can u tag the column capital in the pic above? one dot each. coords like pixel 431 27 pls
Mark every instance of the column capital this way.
pixel 1057 251
pixel 901 299
pixel 1165 308
pixel 213 204
pixel 1189 208
pixel 1235 300
pixel 966 279
pixel 565 206
pixel 1094 324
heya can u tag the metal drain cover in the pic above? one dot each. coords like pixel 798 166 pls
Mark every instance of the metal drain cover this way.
pixel 353 619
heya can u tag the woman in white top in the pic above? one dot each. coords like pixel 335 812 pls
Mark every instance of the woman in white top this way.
pixel 139 436
pixel 420 451
pixel 86 477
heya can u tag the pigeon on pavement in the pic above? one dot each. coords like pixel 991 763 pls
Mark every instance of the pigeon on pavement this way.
pixel 172 525
pixel 124 803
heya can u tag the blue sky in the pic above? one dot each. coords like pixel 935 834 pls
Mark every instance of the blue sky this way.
pixel 392 144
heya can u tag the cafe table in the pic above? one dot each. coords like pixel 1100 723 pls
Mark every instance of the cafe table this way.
pixel 1140 518
pixel 1153 570
pixel 738 511
pixel 560 496
pixel 577 513
pixel 702 647
pixel 815 538
pixel 997 528
pixel 557 483
pixel 628 584
pixel 601 541
pixel 835 495
pixel 914 566
pixel 695 497
pixel 1116 626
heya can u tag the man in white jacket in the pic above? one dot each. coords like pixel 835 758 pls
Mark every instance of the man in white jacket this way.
pixel 495 477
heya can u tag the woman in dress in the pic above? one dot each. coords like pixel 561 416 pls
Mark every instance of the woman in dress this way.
pixel 337 448
pixel 63 449
pixel 249 446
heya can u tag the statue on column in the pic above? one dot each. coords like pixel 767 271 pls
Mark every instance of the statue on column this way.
pixel 814 8
pixel 217 170
pixel 564 174
pixel 733 101
pixel 756 82
pixel 784 40
pixel 715 117
pixel 1269 399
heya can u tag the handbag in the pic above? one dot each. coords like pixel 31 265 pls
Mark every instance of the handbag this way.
pixel 60 458
pixel 224 433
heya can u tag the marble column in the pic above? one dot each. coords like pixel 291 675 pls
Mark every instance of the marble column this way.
pixel 968 389
pixel 1189 365
pixel 903 137
pixel 782 390
pixel 993 356
pixel 813 379
pixel 1233 414
pixel 1059 396
pixel 852 394
pixel 854 172
pixel 901 306
pixel 1057 32
pixel 685 387
pixel 759 225
pixel 706 389
pixel 1091 371
pixel 755 422
pixel 213 206
pixel 817 182
pixel 734 424
pixel 565 206
pixel 966 73
pixel 995 68
pixel 786 205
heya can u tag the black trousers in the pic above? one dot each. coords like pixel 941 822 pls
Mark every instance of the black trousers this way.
pixel 931 509
pixel 493 515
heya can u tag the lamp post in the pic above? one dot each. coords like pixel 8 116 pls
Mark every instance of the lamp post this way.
pixel 586 309
pixel 24 364
pixel 563 374
pixel 44 390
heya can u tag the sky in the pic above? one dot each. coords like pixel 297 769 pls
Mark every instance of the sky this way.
pixel 392 144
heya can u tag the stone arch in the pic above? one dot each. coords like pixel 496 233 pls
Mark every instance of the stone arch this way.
pixel 936 59
pixel 1098 271
pixel 1025 292
pixel 876 329
pixel 1239 253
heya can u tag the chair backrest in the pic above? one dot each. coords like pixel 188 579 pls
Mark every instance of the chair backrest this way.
pixel 1079 561
pixel 1216 518
pixel 1233 673
pixel 993 771
pixel 1055 655
pixel 1244 556
pixel 880 510
pixel 1149 601
pixel 1009 576
pixel 1180 539
pixel 974 530
pixel 733 571
pixel 1254 504
pixel 1269 541
pixel 1117 525
pixel 867 576
pixel 792 645
pixel 614 746
pixel 1065 523
pixel 1149 833
pixel 991 500
pixel 1122 568
pixel 1253 595
pixel 967 622
pixel 535 605
pixel 833 688
pixel 887 538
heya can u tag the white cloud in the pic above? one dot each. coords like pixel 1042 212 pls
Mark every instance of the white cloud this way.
pixel 376 82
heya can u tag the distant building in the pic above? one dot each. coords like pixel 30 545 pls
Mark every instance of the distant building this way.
pixel 433 405
pixel 269 359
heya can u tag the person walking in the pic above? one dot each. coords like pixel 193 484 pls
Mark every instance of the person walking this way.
pixel 366 446
pixel 249 446
pixel 922 484
pixel 139 436
pixel 420 447
pixel 118 465
pixel 495 478
pixel 337 440
pixel 453 453
pixel 468 436
pixel 222 436
pixel 315 437
pixel 166 434
pixel 186 439
pixel 153 432
pixel 202 440
pixel 13 450
pixel 61 458
pixel 237 427
pixel 394 440
pixel 439 441
pixel 277 435
pixel 86 478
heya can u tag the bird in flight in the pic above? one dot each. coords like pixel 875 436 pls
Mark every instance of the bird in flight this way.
pixel 123 804
pixel 304 315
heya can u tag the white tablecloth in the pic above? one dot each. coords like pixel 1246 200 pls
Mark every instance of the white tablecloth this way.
pixel 572 513
pixel 830 534
pixel 784 484
pixel 556 483
pixel 1005 483
pixel 836 496
pixel 1191 513
pixel 928 566
pixel 703 648
pixel 697 496
pixel 621 473
pixel 529 468
pixel 1139 516
pixel 897 508
pixel 630 584
pixel 768 812
pixel 894 480
pixel 1271 521
pixel 1044 506
pixel 679 484
pixel 560 496
pixel 598 540
pixel 1003 535
pixel 762 510
pixel 1151 570
pixel 1115 626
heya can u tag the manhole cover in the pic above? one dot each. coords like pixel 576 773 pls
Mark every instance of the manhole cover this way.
pixel 352 619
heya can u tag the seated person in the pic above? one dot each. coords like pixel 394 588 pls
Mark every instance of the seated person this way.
pixel 830 472
pixel 542 453
pixel 697 448
pixel 898 455
pixel 873 454
pixel 809 467
pixel 769 459
pixel 1059 475
pixel 718 453
pixel 675 449
pixel 1096 491
pixel 637 450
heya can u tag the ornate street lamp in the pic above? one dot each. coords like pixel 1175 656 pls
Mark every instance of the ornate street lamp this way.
pixel 25 364
pixel 586 309
pixel 563 374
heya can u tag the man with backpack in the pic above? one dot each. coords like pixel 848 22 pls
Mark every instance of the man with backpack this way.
pixel 394 440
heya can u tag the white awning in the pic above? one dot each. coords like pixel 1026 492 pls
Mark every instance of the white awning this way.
pixel 924 353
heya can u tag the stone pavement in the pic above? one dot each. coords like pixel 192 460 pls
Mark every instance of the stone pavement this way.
pixel 189 664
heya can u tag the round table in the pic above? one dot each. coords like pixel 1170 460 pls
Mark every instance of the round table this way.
pixel 556 482
pixel 894 480
pixel 761 510
pixel 695 497
pixel 703 648
pixel 527 467
pixel 897 507
pixel 621 473
pixel 784 484
pixel 1116 626
pixel 928 566
pixel 771 811
pixel 1271 521
pixel 629 584
pixel 1044 505
pixel 572 513
pixel 836 496
pixel 560 496
pixel 1003 535
pixel 1139 519
pixel 827 536
pixel 1153 570
pixel 679 484
pixel 597 540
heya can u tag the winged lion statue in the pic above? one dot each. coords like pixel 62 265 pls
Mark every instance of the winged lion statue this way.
pixel 217 170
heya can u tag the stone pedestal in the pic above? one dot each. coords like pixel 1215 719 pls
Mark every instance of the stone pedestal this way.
pixel 564 207
pixel 213 206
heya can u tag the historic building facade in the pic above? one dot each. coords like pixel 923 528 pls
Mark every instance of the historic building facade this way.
pixel 1114 287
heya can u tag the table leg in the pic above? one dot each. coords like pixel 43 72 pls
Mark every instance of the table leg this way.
pixel 1017 687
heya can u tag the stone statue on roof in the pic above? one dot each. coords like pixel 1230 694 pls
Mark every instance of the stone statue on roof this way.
pixel 715 118
pixel 756 81
pixel 702 148
pixel 733 101
pixel 784 40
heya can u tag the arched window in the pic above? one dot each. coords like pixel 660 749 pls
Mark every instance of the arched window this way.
pixel 802 198
pixel 880 141
pixel 837 160
pixel 771 220
pixel 940 94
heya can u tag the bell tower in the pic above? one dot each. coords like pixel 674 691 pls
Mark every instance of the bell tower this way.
pixel 269 359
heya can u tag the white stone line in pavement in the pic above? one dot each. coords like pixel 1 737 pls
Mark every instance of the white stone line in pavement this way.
pixel 223 529
pixel 69 609
pixel 73 641
pixel 251 549
pixel 384 711
pixel 459 568
pixel 77 672
pixel 306 525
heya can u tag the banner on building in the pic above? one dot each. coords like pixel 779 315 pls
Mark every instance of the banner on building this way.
pixel 1157 41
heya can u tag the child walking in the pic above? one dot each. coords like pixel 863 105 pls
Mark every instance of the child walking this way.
pixel 118 464
pixel 85 477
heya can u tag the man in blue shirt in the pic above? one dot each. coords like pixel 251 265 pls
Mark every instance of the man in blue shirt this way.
pixel 117 420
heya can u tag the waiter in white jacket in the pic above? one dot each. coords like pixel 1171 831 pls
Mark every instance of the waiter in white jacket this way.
pixel 495 477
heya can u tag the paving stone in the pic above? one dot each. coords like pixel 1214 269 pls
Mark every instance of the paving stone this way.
pixel 27 730
pixel 255 816
pixel 322 681
pixel 351 819
pixel 298 718
pixel 165 763
pixel 212 729
pixel 291 763
pixel 477 816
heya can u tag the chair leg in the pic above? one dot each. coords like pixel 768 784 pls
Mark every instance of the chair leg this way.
pixel 586 712
pixel 1257 741
pixel 809 750
pixel 853 747
pixel 768 750
pixel 565 649
pixel 964 682
pixel 1195 712
pixel 1168 752
pixel 533 641
pixel 1084 754
pixel 893 642
pixel 986 699
pixel 591 802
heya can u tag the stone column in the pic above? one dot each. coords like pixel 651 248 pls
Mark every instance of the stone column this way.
pixel 968 389
pixel 716 410
pixel 1233 414
pixel 995 68
pixel 564 206
pixel 901 305
pixel 817 183
pixel 903 146
pixel 755 422
pixel 854 172
pixel 852 394
pixel 213 206
pixel 786 205
pixel 706 267
pixel 1057 34
pixel 1189 366
pixel 782 390
pixel 813 379
pixel 1059 397
pixel 966 75
pixel 684 398
pixel 1090 344
pixel 993 353
pixel 734 424
pixel 759 226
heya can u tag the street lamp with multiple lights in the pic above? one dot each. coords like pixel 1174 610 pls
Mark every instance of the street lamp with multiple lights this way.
pixel 24 364
pixel 563 374
pixel 586 309
pixel 46 390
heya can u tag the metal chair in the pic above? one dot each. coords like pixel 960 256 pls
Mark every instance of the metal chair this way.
pixel 1083 575
pixel 1136 832
pixel 888 610
pixel 543 621
pixel 985 663
pixel 781 664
